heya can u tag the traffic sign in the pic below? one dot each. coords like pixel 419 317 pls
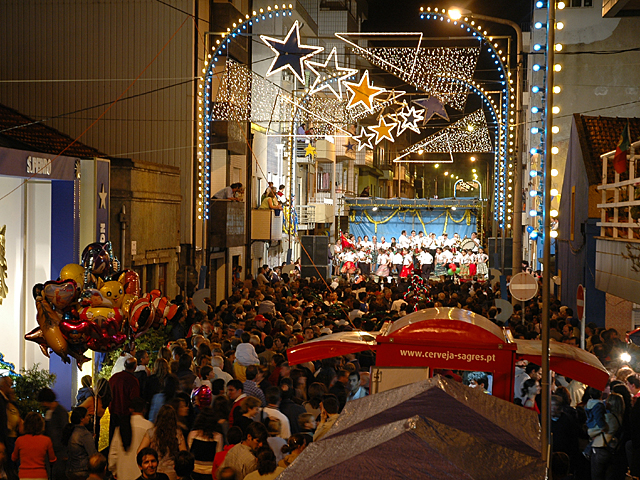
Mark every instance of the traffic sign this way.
pixel 580 302
pixel 523 286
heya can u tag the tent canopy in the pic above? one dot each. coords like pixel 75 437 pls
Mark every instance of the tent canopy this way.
pixel 334 345
pixel 451 437
pixel 567 360
pixel 444 325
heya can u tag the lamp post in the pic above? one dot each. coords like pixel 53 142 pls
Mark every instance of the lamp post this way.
pixel 516 227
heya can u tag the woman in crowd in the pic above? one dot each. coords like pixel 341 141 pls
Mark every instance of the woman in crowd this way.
pixel 250 408
pixel 268 468
pixel 155 381
pixel 530 389
pixel 170 390
pixel 80 444
pixel 166 438
pixel 204 441
pixel 294 447
pixel 33 450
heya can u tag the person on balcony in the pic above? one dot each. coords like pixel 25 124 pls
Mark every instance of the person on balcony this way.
pixel 271 203
pixel 228 193
pixel 365 192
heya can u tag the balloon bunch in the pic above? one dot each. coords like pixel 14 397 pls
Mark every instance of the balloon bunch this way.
pixel 452 269
pixel 92 306
pixel 417 292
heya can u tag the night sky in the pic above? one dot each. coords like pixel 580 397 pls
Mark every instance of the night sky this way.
pixel 403 15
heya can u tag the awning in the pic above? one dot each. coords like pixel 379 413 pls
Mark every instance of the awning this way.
pixel 567 360
pixel 334 345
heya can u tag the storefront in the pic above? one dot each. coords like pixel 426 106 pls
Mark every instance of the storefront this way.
pixel 51 207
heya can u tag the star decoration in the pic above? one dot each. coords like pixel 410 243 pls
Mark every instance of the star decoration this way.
pixel 433 106
pixel 349 146
pixel 290 53
pixel 363 92
pixel 364 139
pixel 408 118
pixel 310 150
pixel 329 77
pixel 383 130
pixel 103 197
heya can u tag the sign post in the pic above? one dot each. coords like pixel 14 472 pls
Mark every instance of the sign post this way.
pixel 581 311
pixel 523 286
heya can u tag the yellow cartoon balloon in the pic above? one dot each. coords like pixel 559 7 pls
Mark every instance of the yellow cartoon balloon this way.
pixel 113 291
pixel 73 272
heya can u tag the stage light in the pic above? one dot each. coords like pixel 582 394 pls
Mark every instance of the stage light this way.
pixel 455 14
pixel 375 209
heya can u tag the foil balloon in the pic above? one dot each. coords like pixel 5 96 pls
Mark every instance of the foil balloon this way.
pixel 113 291
pixel 90 297
pixel 130 281
pixel 152 309
pixel 98 259
pixel 202 396
pixel 61 294
pixel 74 272
pixel 49 322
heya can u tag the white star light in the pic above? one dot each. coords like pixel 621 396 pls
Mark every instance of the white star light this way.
pixel 408 119
pixel 364 139
pixel 329 77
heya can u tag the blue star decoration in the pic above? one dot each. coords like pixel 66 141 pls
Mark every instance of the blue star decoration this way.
pixel 290 53
pixel 433 106
pixel 349 147
pixel 364 139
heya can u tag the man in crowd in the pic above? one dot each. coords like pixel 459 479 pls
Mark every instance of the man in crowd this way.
pixel 124 387
pixel 241 458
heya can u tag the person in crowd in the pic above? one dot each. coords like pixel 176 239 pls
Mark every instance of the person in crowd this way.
pixel 205 441
pixel 97 467
pixel 272 410
pixel 166 438
pixel 185 464
pixel 147 459
pixel 330 412
pixel 79 443
pixel 56 419
pixel 123 448
pixel 607 460
pixel 234 437
pixel 124 387
pixel 268 468
pixel 294 447
pixel 170 390
pixel 33 450
pixel 242 457
pixel 97 404
pixel 155 382
pixel 530 389
pixel 250 408
pixel 356 390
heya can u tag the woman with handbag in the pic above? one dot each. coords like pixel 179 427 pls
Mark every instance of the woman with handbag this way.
pixel 608 460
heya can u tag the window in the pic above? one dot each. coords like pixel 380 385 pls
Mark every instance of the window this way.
pixel 580 3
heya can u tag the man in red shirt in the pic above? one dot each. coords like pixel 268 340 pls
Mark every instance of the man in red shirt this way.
pixel 124 388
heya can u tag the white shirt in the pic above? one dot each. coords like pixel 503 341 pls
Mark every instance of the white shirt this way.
pixel 224 194
pixel 285 430
pixel 383 259
pixel 408 260
pixel 119 365
pixel 447 255
pixel 397 258
pixel 404 241
pixel 123 462
pixel 425 258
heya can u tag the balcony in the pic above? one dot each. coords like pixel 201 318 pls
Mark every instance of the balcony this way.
pixel 266 225
pixel 226 224
pixel 618 246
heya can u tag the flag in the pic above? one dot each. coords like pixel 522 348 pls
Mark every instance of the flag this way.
pixel 620 159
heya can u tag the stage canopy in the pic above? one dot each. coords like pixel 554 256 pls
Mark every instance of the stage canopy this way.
pixel 426 215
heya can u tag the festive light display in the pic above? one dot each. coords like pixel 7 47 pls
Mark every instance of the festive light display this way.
pixel 427 69
pixel 432 106
pixel 329 76
pixel 468 135
pixel 408 118
pixel 290 53
pixel 417 292
pixel 363 92
pixel 364 139
pixel 383 130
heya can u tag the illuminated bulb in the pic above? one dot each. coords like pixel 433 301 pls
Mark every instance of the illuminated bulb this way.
pixel 561 5
pixel 553 213
pixel 535 109
pixel 538 25
pixel 533 213
pixel 558 47
pixel 536 67
pixel 420 152
pixel 437 165
pixel 537 47
pixel 535 89
pixel 554 192
pixel 533 173
pixel 554 234
pixel 560 25
pixel 555 150
pixel 455 14
pixel 539 4
pixel 557 89
pixel 555 109
pixel 557 67
pixel 555 129
pixel 554 172
pixel 533 193
pixel 535 130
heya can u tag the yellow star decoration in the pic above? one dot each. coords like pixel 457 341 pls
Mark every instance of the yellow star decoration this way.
pixel 383 130
pixel 310 150
pixel 363 92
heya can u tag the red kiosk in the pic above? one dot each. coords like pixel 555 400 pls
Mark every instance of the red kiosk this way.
pixel 453 339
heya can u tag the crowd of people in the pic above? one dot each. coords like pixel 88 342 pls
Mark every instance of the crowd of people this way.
pixel 221 401
pixel 430 256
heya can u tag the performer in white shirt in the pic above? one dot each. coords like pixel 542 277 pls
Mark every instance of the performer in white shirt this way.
pixel 482 259
pixel 403 240
pixel 384 264
pixel 397 260
pixel 407 264
pixel 426 263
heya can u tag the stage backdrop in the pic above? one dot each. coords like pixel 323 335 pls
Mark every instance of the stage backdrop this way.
pixel 389 222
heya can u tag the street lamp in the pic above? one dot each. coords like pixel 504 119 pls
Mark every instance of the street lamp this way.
pixel 456 13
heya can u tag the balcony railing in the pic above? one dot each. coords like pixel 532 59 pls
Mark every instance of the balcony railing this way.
pixel 620 207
